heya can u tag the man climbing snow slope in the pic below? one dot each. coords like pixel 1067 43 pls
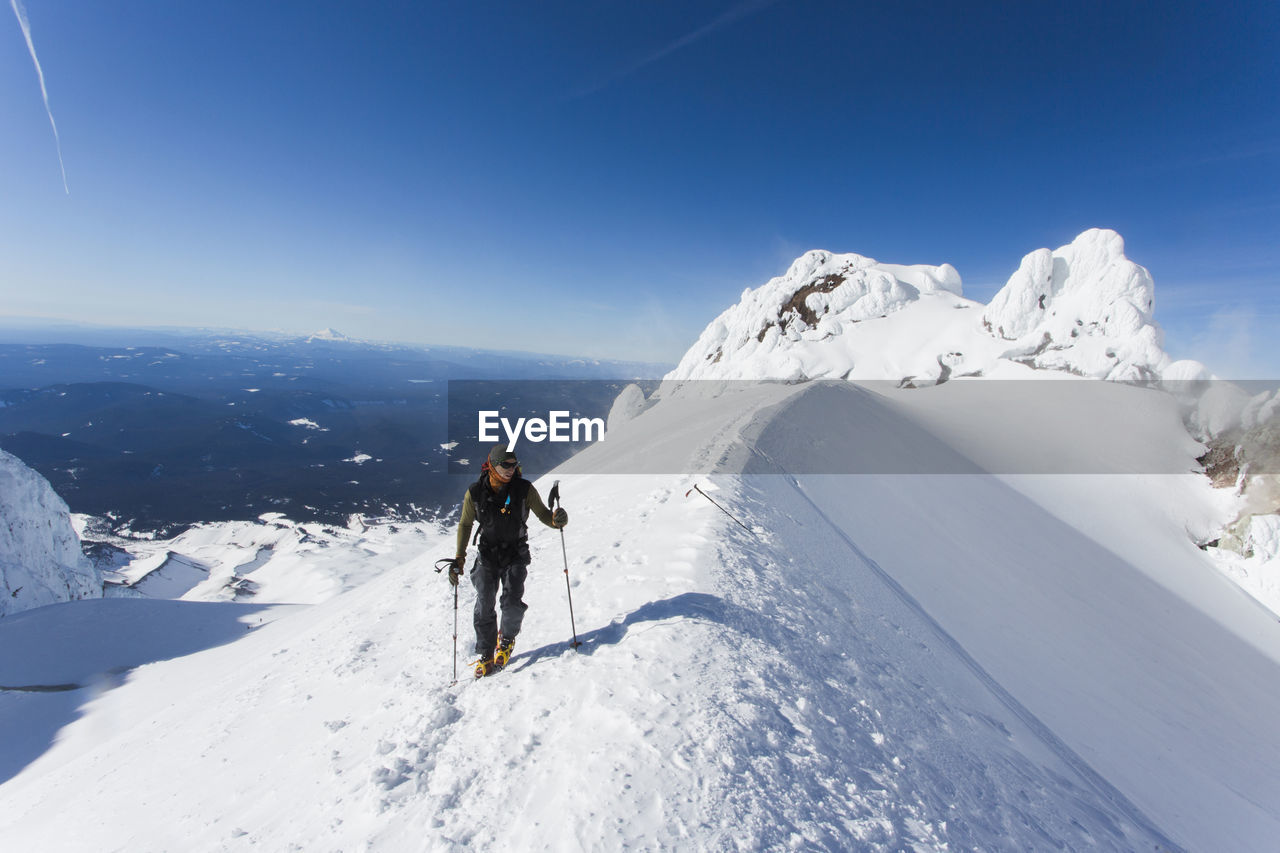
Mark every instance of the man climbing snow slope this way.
pixel 500 500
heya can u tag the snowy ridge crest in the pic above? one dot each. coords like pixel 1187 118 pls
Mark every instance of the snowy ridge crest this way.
pixel 40 558
pixel 1083 309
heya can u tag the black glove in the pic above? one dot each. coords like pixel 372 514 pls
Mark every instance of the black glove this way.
pixel 456 569
pixel 559 518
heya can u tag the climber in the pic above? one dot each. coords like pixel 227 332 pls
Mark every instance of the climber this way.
pixel 500 501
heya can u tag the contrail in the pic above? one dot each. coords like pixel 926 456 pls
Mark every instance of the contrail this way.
pixel 21 14
pixel 741 10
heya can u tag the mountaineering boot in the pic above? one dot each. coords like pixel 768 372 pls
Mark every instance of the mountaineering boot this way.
pixel 506 648
pixel 486 666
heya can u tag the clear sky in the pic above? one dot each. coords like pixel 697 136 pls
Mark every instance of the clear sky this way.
pixel 603 178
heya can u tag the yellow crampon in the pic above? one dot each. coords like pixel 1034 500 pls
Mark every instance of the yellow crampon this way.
pixel 490 665
pixel 506 648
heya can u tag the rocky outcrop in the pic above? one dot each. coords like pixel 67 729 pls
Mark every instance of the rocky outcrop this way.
pixel 40 558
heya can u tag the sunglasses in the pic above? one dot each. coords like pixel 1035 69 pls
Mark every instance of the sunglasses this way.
pixel 507 465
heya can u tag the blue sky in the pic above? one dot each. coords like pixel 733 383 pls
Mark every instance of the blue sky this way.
pixel 603 178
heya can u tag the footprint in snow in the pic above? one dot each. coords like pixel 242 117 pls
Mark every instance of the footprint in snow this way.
pixel 410 758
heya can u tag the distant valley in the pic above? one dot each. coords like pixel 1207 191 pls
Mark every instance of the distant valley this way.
pixel 171 429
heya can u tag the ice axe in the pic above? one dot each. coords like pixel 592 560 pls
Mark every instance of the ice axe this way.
pixel 717 505
pixel 554 500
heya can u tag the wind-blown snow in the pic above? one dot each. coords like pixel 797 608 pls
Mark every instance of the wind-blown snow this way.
pixel 40 558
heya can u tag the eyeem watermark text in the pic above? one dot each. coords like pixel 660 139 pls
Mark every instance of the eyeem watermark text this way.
pixel 557 427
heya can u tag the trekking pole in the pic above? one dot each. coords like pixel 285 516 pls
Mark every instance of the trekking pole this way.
pixel 440 566
pixel 554 499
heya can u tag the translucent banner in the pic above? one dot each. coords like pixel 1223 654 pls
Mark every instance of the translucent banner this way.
pixel 1061 425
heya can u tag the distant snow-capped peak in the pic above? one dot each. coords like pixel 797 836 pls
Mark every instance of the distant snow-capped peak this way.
pixel 327 334
pixel 1084 309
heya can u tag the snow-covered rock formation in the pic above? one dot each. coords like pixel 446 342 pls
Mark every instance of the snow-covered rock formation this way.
pixel 782 329
pixel 1084 308
pixel 40 558
pixel 627 406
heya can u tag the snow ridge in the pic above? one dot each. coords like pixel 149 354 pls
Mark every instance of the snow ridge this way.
pixel 1087 775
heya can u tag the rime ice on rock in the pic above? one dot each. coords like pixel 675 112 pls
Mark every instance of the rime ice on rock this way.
pixel 1084 308
pixel 40 558
pixel 627 406
pixel 822 295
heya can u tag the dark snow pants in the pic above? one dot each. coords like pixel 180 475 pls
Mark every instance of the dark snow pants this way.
pixel 486 577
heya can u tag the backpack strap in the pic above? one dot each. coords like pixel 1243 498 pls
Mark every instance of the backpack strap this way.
pixel 476 490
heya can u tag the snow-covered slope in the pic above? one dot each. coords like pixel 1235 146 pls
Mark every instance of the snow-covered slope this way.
pixel 40 558
pixel 272 561
pixel 877 663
